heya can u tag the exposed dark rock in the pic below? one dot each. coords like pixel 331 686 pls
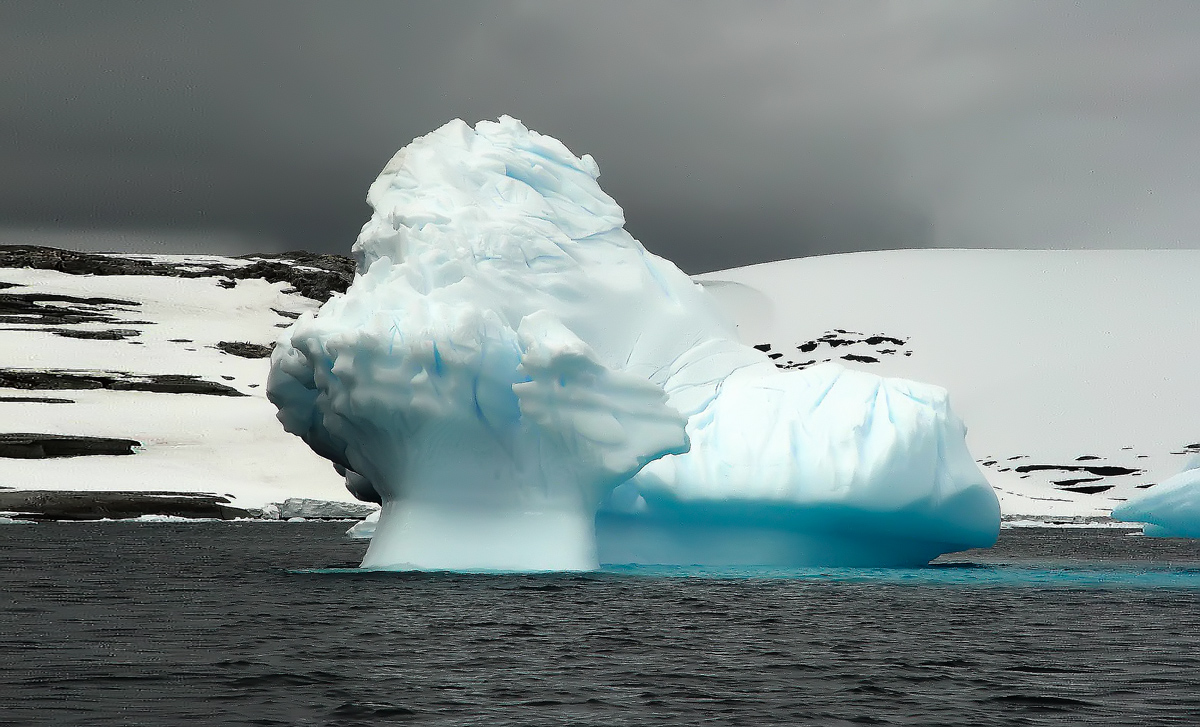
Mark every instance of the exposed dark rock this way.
pixel 1086 458
pixel 860 359
pixel 37 399
pixel 55 379
pixel 840 337
pixel 312 275
pixel 988 463
pixel 1080 481
pixel 286 313
pixel 81 505
pixel 244 349
pixel 179 340
pixel 57 310
pixel 774 356
pixel 1101 470
pixel 107 334
pixel 49 446
pixel 1089 489
pixel 333 263
pixel 763 346
pixel 319 277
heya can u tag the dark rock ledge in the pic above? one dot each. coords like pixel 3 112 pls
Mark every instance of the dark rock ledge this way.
pixel 311 275
pixel 50 446
pixel 116 505
pixel 58 379
pixel 244 349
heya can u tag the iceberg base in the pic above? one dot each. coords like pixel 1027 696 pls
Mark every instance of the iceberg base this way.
pixel 822 536
pixel 444 537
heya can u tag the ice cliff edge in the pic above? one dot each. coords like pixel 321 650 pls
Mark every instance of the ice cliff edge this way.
pixel 508 359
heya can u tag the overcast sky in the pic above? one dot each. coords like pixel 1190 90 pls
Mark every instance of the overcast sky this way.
pixel 731 133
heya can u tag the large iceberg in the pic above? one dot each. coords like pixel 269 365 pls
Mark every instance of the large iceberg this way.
pixel 524 387
pixel 1171 509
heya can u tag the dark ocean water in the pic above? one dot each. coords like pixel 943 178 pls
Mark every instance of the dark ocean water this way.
pixel 227 623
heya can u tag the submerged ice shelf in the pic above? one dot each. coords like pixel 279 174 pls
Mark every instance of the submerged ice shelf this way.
pixel 523 386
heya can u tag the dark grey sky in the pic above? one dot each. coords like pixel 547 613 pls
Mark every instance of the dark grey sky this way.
pixel 731 133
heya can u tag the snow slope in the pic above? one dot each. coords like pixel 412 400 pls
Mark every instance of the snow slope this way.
pixel 219 444
pixel 1070 367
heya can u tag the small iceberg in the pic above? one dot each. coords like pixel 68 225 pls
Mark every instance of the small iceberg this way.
pixel 365 528
pixel 1170 509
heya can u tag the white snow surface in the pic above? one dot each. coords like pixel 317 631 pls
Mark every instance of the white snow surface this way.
pixel 1171 509
pixel 509 355
pixel 191 443
pixel 1055 358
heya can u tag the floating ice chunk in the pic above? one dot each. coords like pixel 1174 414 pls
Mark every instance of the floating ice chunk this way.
pixel 819 467
pixel 1170 509
pixel 508 355
pixel 364 529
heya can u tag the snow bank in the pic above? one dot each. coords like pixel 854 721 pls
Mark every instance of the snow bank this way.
pixel 1170 509
pixel 509 355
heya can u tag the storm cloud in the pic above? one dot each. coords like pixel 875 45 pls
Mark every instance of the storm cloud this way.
pixel 732 133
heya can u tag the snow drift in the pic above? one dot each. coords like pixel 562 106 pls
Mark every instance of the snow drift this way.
pixel 509 358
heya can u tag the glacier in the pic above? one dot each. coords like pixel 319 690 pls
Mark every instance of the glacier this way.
pixel 524 387
pixel 1170 509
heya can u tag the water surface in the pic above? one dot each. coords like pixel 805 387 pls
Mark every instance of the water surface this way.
pixel 269 624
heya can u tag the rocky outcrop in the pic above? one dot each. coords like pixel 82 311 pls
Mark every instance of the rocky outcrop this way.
pixel 312 275
pixel 86 505
pixel 244 349
pixel 58 379
pixel 49 446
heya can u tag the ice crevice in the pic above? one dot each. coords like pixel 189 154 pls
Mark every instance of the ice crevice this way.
pixel 524 387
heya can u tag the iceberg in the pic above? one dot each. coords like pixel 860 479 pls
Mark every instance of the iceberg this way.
pixel 524 387
pixel 822 467
pixel 1171 509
